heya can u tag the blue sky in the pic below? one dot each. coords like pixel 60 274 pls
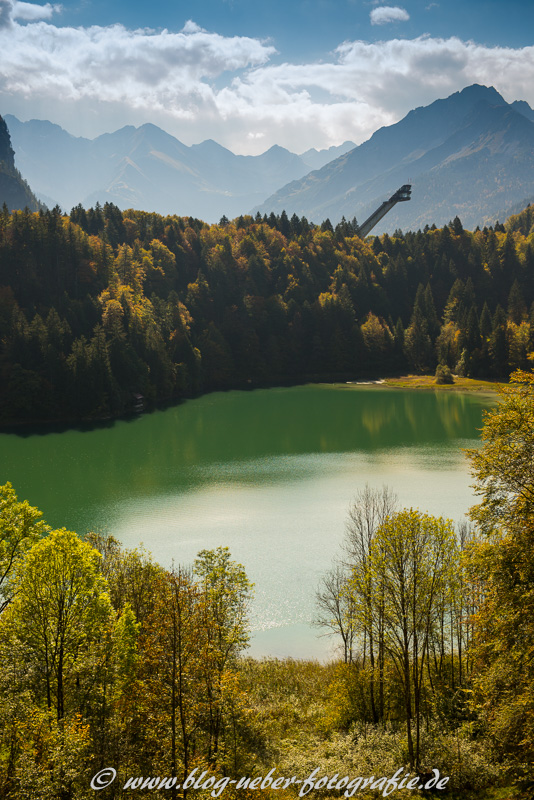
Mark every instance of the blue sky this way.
pixel 310 28
pixel 251 74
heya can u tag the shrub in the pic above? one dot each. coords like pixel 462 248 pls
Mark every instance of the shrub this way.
pixel 443 374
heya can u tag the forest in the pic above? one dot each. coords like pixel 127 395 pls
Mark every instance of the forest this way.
pixel 104 311
pixel 108 660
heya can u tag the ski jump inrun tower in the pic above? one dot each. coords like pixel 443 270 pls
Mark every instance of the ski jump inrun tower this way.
pixel 401 195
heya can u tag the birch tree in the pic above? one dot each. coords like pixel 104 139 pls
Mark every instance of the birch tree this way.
pixel 412 562
pixel 61 615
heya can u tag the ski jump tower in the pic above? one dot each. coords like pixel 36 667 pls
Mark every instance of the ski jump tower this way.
pixel 400 196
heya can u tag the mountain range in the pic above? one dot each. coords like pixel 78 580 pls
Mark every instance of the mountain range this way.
pixel 149 169
pixel 470 155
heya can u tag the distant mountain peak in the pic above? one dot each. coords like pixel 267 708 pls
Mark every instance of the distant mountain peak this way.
pixel 153 131
pixel 149 126
pixel 523 108
pixel 124 129
pixel 316 159
pixel 277 148
pixel 41 127
pixel 210 145
pixel 482 92
pixel 464 100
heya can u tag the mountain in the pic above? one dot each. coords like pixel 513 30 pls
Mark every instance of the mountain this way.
pixel 471 155
pixel 315 159
pixel 523 108
pixel 149 169
pixel 14 191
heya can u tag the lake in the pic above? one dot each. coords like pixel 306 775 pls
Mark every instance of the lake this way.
pixel 268 473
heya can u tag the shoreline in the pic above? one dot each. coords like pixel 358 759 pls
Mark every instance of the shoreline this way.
pixel 411 382
pixel 427 382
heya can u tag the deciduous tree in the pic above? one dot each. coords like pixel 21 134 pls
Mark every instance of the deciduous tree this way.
pixel 412 561
pixel 502 569
pixel 226 591
pixel 20 527
pixel 504 466
pixel 61 615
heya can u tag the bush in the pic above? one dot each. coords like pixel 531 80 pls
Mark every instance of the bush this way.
pixel 443 374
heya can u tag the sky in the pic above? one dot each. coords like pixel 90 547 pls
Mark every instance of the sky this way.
pixel 254 73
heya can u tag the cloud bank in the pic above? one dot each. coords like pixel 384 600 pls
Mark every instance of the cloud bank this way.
pixel 198 84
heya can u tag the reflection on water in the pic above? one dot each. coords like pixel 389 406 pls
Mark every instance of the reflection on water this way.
pixel 269 473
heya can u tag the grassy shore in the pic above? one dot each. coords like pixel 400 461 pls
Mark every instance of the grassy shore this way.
pixel 429 382
pixel 304 715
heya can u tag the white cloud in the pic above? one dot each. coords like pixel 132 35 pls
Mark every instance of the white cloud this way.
pixel 199 85
pixel 32 12
pixel 384 14
pixel 29 12
pixel 191 27
pixel 143 68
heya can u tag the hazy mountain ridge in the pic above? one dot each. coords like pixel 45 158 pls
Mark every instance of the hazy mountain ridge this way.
pixel 316 159
pixel 147 168
pixel 470 154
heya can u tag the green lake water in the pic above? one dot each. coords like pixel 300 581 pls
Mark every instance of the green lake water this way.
pixel 269 473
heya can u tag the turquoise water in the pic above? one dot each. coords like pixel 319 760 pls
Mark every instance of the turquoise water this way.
pixel 268 473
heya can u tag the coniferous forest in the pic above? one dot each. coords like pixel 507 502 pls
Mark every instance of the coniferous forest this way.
pixel 101 307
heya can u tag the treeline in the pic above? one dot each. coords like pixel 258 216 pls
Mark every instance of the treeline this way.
pixel 102 306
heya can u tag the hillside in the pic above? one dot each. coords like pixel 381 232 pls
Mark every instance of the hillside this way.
pixel 470 155
pixel 14 191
